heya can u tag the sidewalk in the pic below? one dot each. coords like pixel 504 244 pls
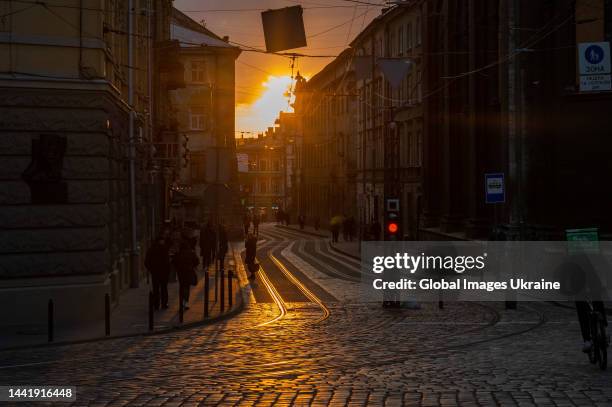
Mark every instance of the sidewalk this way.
pixel 350 249
pixel 130 316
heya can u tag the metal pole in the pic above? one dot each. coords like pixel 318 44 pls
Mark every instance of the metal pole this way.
pixel 151 320
pixel 206 289
pixel 222 287
pixel 181 311
pixel 134 267
pixel 107 314
pixel 50 321
pixel 229 288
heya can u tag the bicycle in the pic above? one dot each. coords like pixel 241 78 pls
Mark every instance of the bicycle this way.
pixel 598 353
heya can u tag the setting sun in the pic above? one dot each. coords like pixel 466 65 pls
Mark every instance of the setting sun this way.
pixel 261 114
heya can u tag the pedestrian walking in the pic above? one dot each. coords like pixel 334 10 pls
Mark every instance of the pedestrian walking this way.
pixel 350 221
pixel 287 218
pixel 246 222
pixel 256 221
pixel 250 245
pixel 302 221
pixel 157 262
pixel 223 245
pixel 345 228
pixel 335 225
pixel 186 261
pixel 375 229
pixel 207 237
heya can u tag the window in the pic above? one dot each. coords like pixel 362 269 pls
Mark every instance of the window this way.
pixel 276 165
pixel 197 118
pixel 198 71
pixel 263 186
pixel 276 186
pixel 263 165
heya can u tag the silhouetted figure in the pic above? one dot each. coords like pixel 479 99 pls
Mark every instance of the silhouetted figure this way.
pixel 256 221
pixel 185 261
pixel 317 222
pixel 246 222
pixel 250 245
pixel 157 262
pixel 302 221
pixel 375 230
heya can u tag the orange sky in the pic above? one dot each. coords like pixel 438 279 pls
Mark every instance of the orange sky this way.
pixel 261 78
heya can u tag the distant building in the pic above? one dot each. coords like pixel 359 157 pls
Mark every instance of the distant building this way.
pixel 262 176
pixel 204 111
pixel 390 120
pixel 326 148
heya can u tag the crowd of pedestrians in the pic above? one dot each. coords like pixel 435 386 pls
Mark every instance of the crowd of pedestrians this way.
pixel 174 251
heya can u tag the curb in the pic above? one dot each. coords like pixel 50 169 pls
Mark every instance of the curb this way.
pixel 210 321
pixel 334 248
pixel 306 232
pixel 229 314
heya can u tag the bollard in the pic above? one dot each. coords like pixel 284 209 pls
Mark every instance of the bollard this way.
pixel 107 314
pixel 180 306
pixel 229 288
pixel 50 321
pixel 222 288
pixel 206 289
pixel 151 320
pixel 216 285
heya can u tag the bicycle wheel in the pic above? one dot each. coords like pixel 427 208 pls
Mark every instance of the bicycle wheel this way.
pixel 602 340
pixel 594 353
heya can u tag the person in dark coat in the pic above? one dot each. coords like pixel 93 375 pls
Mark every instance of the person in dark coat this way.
pixel 302 221
pixel 250 245
pixel 185 262
pixel 207 237
pixel 157 262
pixel 246 221
pixel 223 245
pixel 256 221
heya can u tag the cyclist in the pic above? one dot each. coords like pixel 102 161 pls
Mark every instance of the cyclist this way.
pixel 583 310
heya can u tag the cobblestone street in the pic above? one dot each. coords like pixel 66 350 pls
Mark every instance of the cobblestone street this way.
pixel 466 354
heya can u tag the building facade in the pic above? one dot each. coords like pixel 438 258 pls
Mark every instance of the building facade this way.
pixel 262 177
pixel 390 130
pixel 326 148
pixel 204 112
pixel 69 126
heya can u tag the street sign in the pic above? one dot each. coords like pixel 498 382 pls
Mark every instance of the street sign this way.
pixel 283 29
pixel 495 191
pixel 594 58
pixel 582 240
pixel 594 66
pixel 594 83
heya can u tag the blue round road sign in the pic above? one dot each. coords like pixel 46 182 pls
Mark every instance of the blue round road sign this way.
pixel 594 54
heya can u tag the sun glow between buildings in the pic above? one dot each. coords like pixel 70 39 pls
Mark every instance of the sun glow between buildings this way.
pixel 260 114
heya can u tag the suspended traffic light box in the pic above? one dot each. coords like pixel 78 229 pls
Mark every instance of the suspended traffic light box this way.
pixel 284 28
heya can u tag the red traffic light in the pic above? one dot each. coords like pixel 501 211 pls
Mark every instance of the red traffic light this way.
pixel 392 227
